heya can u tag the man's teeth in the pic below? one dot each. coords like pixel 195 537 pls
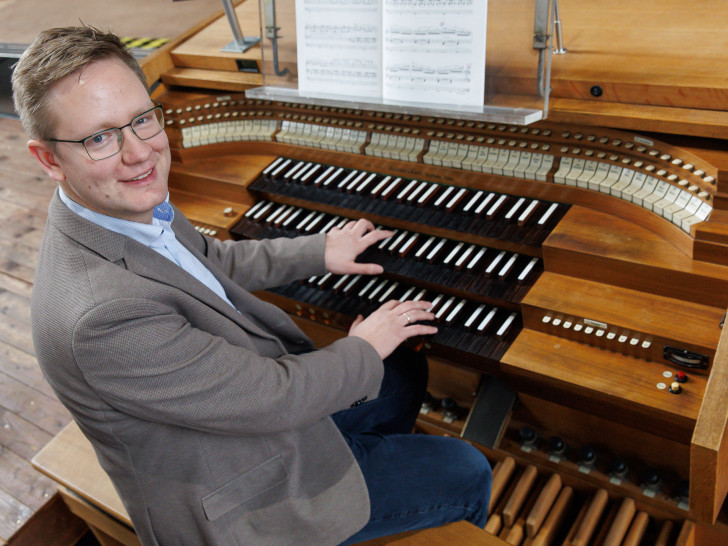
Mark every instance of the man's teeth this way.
pixel 142 176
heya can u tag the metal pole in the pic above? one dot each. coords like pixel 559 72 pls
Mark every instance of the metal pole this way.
pixel 541 41
pixel 559 48
pixel 241 43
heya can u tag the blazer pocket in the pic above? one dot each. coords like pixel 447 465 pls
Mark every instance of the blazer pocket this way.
pixel 245 487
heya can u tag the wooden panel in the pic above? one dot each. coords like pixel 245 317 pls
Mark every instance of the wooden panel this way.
pixel 658 119
pixel 107 530
pixel 595 246
pixel 709 456
pixel 70 460
pixel 461 532
pixel 53 520
pixel 686 324
pixel 608 437
pixel 22 20
pixel 644 52
pixel 224 81
pixel 610 385
pixel 203 50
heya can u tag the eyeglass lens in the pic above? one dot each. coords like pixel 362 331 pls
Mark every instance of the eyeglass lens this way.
pixel 107 143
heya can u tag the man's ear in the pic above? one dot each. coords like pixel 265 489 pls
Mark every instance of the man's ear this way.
pixel 47 159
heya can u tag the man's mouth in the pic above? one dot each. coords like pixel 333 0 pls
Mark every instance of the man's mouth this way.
pixel 141 176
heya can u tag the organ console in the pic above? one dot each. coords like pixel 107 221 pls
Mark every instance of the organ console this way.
pixel 576 264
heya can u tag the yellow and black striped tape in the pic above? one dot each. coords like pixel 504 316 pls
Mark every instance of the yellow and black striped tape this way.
pixel 144 43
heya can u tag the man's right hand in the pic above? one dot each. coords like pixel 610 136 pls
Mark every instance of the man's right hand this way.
pixel 393 323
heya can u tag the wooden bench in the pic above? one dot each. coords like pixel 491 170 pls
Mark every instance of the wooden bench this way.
pixel 88 492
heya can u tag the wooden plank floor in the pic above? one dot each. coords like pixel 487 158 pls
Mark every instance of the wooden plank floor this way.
pixel 30 414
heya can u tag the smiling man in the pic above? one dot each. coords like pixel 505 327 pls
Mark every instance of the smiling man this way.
pixel 210 410
pixel 84 105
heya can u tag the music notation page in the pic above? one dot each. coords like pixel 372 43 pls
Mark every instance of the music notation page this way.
pixel 429 51
pixel 434 51
pixel 339 47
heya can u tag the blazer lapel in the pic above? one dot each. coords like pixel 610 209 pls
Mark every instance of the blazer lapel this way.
pixel 261 312
pixel 147 263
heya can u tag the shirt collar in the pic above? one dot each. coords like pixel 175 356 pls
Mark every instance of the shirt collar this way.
pixel 146 234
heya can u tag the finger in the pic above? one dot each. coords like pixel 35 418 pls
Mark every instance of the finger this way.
pixel 376 235
pixel 356 322
pixel 365 269
pixel 365 224
pixel 414 330
pixel 360 226
pixel 417 315
pixel 413 304
pixel 389 305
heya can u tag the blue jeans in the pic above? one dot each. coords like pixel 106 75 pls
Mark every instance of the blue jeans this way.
pixel 415 481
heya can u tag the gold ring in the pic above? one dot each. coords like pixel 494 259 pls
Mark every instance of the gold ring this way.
pixel 409 320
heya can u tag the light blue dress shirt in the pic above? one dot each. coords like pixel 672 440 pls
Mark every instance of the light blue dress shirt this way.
pixel 158 236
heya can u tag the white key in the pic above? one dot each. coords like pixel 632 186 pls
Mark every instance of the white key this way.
pixel 514 209
pixel 344 181
pixel 506 325
pixel 282 166
pixel 292 217
pixel 486 320
pixel 474 316
pixel 546 215
pixel 272 166
pixel 389 291
pixel 526 270
pixel 310 173
pixel 526 214
pixel 494 263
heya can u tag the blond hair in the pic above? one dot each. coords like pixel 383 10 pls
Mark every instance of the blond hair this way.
pixel 53 55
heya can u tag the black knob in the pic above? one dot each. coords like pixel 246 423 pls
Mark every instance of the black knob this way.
pixel 650 477
pixel 596 91
pixel 450 408
pixel 618 467
pixel 556 445
pixel 587 455
pixel 527 435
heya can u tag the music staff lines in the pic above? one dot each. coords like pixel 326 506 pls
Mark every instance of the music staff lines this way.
pixel 429 39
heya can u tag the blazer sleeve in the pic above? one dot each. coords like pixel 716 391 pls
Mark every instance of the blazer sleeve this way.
pixel 256 265
pixel 143 358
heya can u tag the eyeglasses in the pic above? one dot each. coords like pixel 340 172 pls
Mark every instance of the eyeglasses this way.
pixel 108 142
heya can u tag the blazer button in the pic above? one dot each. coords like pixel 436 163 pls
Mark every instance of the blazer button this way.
pixel 358 402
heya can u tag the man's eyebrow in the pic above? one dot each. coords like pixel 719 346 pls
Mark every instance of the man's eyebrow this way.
pixel 105 126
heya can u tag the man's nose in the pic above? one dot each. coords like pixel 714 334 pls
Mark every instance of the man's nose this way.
pixel 133 148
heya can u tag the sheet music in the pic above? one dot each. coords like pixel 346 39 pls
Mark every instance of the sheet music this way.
pixel 434 51
pixel 339 47
pixel 430 51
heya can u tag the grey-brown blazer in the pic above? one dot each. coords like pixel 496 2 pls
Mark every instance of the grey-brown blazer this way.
pixel 213 423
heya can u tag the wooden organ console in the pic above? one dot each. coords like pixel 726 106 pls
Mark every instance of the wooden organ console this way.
pixel 583 267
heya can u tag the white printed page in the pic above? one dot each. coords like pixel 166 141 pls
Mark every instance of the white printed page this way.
pixel 434 51
pixel 339 47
